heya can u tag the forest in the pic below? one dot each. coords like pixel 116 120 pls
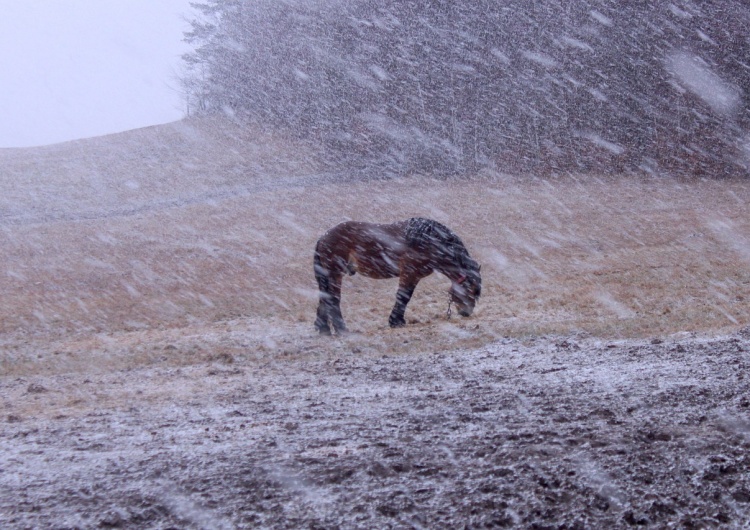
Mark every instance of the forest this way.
pixel 443 87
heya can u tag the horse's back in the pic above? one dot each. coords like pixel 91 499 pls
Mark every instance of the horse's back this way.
pixel 350 234
pixel 371 249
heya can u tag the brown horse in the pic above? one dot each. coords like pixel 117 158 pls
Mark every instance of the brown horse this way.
pixel 411 250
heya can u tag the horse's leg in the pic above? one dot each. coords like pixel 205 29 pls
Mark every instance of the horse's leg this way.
pixel 335 304
pixel 324 297
pixel 324 309
pixel 403 295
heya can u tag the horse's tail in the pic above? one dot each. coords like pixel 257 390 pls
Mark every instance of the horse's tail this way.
pixel 321 273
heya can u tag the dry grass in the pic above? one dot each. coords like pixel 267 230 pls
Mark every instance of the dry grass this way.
pixel 210 276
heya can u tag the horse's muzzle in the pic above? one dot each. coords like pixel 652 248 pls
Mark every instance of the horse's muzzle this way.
pixel 465 312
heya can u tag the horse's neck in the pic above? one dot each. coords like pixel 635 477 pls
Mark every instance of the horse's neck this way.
pixel 450 269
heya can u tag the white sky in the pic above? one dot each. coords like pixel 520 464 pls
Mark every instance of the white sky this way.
pixel 80 68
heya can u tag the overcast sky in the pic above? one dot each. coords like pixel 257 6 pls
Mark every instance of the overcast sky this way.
pixel 80 68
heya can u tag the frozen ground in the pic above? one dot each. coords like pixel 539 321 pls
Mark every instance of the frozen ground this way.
pixel 540 433
pixel 158 366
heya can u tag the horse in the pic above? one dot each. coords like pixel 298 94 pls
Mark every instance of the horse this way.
pixel 410 250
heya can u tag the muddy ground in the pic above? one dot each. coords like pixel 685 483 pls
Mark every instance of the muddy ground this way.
pixel 159 369
pixel 539 433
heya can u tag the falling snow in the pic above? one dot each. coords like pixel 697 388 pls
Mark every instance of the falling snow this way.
pixel 158 361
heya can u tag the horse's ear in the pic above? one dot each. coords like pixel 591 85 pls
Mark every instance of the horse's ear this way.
pixel 479 268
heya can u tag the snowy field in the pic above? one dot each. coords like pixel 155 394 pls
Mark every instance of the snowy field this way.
pixel 159 367
pixel 540 433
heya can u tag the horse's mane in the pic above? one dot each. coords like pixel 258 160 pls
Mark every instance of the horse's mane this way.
pixel 421 232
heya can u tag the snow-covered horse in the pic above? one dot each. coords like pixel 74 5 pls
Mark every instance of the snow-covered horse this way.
pixel 409 250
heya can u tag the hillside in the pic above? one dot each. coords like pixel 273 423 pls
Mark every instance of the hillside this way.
pixel 198 224
pixel 156 342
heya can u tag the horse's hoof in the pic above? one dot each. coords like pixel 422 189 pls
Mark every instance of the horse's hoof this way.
pixel 397 323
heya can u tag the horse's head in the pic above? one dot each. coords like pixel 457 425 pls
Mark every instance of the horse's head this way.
pixel 466 289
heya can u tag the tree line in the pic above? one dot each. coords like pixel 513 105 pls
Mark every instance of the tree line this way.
pixel 446 87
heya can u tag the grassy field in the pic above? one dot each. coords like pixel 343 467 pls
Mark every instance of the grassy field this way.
pixel 194 240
